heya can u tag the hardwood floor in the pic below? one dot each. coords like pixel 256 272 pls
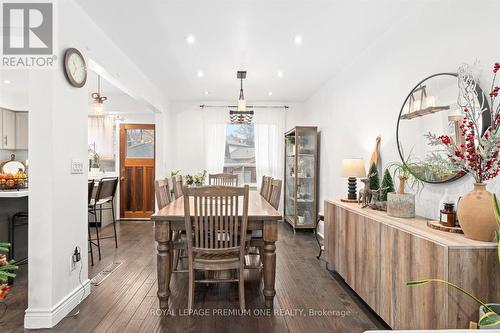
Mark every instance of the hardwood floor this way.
pixel 126 301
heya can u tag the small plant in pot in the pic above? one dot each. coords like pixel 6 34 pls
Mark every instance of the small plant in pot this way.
pixel 401 203
pixel 489 314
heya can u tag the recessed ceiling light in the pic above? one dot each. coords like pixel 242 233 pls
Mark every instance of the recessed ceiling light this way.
pixel 280 74
pixel 200 73
pixel 270 93
pixel 298 39
pixel 6 81
pixel 206 93
pixel 190 39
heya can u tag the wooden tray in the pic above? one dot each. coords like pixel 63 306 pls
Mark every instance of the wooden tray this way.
pixel 438 226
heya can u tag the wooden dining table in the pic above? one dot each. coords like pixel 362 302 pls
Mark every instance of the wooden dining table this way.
pixel 261 216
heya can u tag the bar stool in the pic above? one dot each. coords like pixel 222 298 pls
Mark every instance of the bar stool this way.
pixel 18 219
pixel 105 194
pixel 91 242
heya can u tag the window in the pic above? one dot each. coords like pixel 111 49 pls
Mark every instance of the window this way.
pixel 239 158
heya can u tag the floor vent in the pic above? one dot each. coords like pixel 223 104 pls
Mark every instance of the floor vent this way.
pixel 102 275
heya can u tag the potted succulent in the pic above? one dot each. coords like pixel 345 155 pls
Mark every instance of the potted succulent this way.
pixel 489 314
pixel 478 156
pixel 401 203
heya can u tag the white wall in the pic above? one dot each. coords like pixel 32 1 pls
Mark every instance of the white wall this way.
pixel 364 100
pixel 57 134
pixel 188 153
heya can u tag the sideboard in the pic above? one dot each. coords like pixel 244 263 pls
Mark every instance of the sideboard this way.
pixel 376 254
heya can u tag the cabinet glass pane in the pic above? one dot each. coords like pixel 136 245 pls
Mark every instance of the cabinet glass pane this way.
pixel 140 143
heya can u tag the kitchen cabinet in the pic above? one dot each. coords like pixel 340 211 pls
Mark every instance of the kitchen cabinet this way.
pixel 8 129
pixel 22 130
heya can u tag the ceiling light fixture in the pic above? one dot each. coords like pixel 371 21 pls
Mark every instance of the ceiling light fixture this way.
pixel 298 39
pixel 200 73
pixel 190 39
pixel 206 93
pixel 241 115
pixel 270 93
pixel 280 74
pixel 97 99
pixel 6 81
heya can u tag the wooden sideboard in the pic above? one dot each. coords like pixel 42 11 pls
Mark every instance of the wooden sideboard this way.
pixel 376 254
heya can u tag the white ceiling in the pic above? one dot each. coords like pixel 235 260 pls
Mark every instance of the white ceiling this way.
pixel 257 36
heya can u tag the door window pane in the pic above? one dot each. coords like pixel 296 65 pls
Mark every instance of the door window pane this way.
pixel 140 143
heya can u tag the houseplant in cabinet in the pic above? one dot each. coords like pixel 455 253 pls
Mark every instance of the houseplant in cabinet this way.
pixel 300 178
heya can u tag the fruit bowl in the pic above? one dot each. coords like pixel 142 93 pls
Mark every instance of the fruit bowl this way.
pixel 9 181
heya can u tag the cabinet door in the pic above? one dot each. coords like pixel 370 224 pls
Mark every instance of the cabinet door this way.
pixel 9 129
pixel 21 130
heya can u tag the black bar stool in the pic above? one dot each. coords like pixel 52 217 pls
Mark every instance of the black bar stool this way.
pixel 105 194
pixel 91 242
pixel 18 219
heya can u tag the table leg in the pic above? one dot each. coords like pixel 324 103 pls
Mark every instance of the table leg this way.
pixel 164 261
pixel 270 236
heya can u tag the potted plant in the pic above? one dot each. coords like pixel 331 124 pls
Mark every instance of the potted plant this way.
pixel 7 271
pixel 196 179
pixel 478 156
pixel 489 314
pixel 401 203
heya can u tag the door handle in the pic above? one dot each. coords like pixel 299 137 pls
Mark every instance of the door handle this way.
pixel 122 179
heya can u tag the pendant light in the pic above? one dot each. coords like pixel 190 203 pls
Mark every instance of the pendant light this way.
pixel 241 115
pixel 97 99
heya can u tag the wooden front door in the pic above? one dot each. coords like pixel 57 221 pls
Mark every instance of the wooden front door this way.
pixel 137 170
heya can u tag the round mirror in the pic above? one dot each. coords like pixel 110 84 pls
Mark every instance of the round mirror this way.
pixel 432 108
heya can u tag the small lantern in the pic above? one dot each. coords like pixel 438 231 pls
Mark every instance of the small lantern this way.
pixel 450 215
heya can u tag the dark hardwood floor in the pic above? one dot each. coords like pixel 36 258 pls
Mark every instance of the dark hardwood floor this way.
pixel 308 297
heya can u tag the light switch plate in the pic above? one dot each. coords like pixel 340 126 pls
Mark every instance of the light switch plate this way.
pixel 76 166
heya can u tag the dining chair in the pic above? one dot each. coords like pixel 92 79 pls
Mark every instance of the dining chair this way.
pixel 224 179
pixel 265 185
pixel 177 184
pixel 275 193
pixel 162 191
pixel 216 234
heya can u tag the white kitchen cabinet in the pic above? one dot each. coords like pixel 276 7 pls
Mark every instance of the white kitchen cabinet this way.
pixel 22 130
pixel 8 129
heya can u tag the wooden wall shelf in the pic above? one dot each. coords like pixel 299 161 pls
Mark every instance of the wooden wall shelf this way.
pixel 376 254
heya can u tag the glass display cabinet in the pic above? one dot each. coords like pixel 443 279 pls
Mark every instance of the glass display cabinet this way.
pixel 301 179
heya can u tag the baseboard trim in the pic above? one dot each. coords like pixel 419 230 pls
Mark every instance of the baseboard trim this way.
pixel 47 318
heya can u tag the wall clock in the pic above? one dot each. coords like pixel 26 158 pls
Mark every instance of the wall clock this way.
pixel 75 68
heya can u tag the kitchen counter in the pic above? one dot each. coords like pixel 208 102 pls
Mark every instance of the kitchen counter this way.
pixel 14 193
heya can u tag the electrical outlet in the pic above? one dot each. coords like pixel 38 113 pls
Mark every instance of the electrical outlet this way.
pixel 76 166
pixel 75 257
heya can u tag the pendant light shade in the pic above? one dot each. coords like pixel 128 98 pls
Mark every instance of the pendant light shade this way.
pixel 241 115
pixel 97 99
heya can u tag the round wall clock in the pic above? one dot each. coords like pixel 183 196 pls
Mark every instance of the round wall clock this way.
pixel 75 68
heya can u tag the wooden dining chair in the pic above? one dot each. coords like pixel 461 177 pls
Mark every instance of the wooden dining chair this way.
pixel 216 235
pixel 224 179
pixel 162 191
pixel 265 186
pixel 275 193
pixel 177 184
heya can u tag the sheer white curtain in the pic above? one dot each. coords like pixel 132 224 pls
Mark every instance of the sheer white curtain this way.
pixel 215 121
pixel 269 125
pixel 101 132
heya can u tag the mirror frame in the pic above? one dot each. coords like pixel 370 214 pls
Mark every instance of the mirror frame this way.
pixel 486 119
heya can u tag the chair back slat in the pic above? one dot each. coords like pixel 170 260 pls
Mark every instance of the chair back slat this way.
pixel 177 184
pixel 224 179
pixel 162 191
pixel 106 189
pixel 275 193
pixel 265 186
pixel 212 217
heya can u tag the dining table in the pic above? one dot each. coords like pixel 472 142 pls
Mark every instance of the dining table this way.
pixel 261 216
